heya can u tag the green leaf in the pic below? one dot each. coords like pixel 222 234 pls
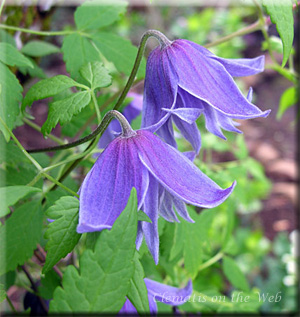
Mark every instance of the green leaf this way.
pixel 281 14
pixel 7 38
pixel 192 249
pixel 234 274
pixel 143 217
pixel 96 74
pixel 178 241
pixel 49 284
pixel 241 152
pixel 119 51
pixel 20 235
pixel 47 88
pixel 10 153
pixel 39 48
pixel 190 237
pixel 36 71
pixel 61 233
pixel 2 293
pixel 289 98
pixel 9 55
pixel 10 195
pixel 20 175
pixel 78 51
pixel 103 279
pixel 138 294
pixel 63 110
pixel 71 128
pixel 10 96
pixel 97 14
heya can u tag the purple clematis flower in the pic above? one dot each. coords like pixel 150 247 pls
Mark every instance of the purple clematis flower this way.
pixel 160 292
pixel 187 80
pixel 142 160
pixel 130 112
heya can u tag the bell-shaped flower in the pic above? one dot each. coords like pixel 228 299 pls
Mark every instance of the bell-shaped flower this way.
pixel 130 112
pixel 142 160
pixel 160 292
pixel 188 80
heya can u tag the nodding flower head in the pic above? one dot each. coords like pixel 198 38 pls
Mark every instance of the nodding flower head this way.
pixel 162 176
pixel 187 80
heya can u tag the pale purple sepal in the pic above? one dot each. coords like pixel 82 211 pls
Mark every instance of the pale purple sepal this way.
pixel 163 177
pixel 186 75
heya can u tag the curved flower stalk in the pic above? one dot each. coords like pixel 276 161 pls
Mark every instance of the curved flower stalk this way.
pixel 187 80
pixel 160 292
pixel 162 176
pixel 130 112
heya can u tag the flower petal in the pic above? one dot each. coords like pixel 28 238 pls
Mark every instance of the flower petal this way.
pixel 168 294
pixel 150 207
pixel 166 132
pixel 227 123
pixel 160 87
pixel 128 308
pixel 190 132
pixel 166 207
pixel 189 115
pixel 217 88
pixel 242 66
pixel 235 67
pixel 181 209
pixel 106 188
pixel 212 123
pixel 139 236
pixel 178 174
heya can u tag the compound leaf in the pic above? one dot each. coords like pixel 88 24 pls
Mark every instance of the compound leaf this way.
pixel 11 194
pixel 96 74
pixel 281 14
pixel 20 235
pixel 103 279
pixel 97 14
pixel 234 274
pixel 119 51
pixel 64 109
pixel 138 294
pixel 78 51
pixel 9 55
pixel 10 96
pixel 39 48
pixel 47 88
pixel 61 232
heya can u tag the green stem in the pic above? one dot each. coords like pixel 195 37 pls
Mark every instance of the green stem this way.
pixel 262 23
pixel 1 6
pixel 246 30
pixel 32 160
pixel 56 182
pixel 211 261
pixel 135 68
pixel 96 107
pixel 99 130
pixel 38 128
pixel 35 163
pixel 34 180
pixel 68 160
pixel 11 304
pixel 44 33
